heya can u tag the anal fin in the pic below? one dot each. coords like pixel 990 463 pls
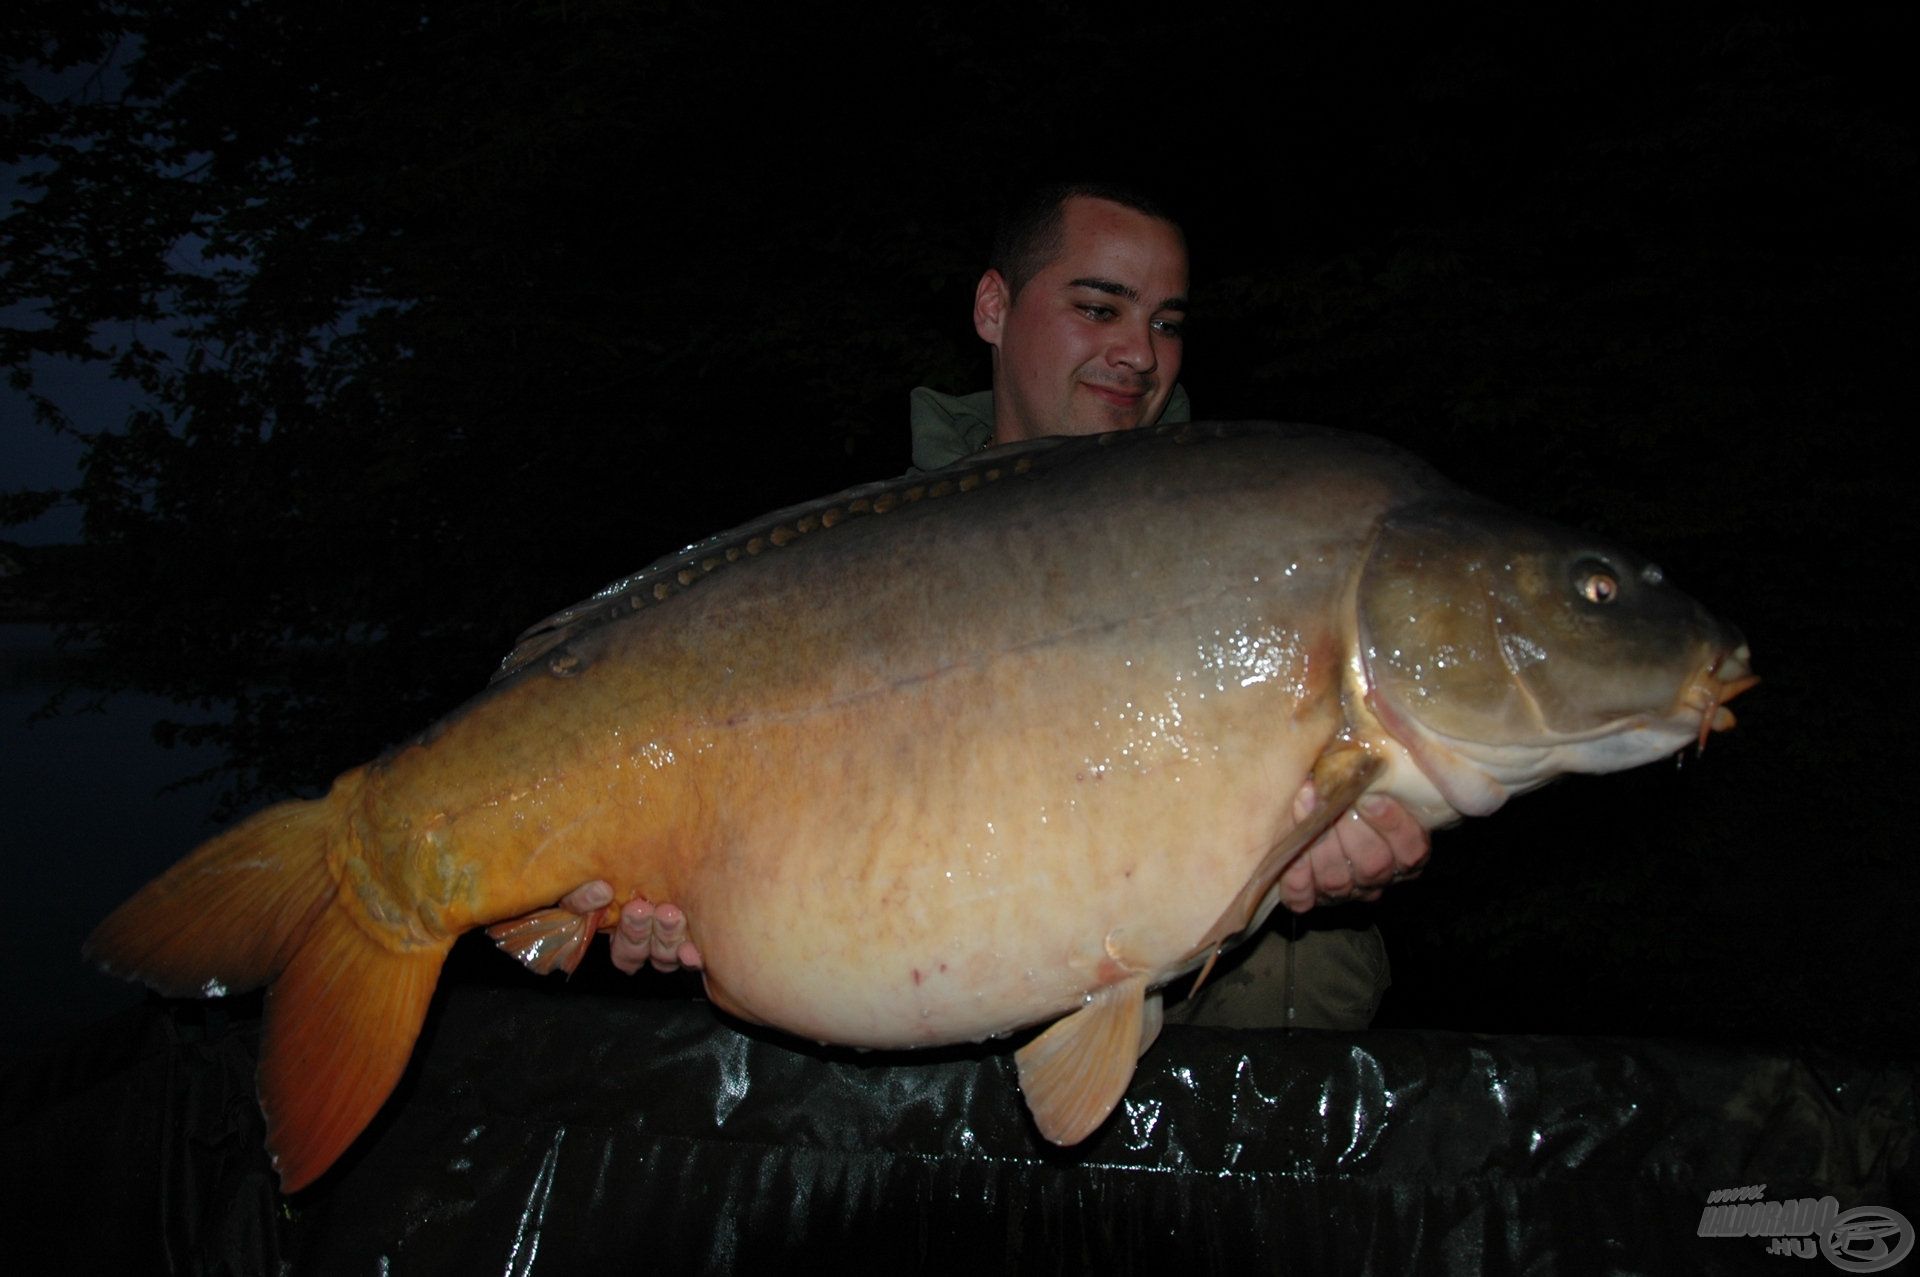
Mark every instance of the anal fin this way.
pixel 547 940
pixel 1073 1074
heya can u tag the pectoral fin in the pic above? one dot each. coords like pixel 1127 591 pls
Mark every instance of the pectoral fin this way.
pixel 1073 1074
pixel 1340 776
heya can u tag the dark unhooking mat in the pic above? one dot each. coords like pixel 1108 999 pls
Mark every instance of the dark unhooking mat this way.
pixel 546 1134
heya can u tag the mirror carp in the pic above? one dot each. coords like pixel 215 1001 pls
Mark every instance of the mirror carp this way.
pixel 937 759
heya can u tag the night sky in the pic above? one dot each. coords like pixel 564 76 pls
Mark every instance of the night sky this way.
pixel 538 295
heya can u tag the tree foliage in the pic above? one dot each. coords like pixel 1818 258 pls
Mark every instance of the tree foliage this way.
pixel 448 325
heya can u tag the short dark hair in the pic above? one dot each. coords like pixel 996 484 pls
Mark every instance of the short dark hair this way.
pixel 1032 227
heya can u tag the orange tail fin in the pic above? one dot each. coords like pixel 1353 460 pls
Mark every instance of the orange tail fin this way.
pixel 260 904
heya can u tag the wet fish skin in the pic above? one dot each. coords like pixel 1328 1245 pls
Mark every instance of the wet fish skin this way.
pixel 933 760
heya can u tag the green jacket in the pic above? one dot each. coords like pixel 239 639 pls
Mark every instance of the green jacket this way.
pixel 949 427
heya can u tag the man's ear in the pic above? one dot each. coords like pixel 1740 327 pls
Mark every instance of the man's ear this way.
pixel 992 299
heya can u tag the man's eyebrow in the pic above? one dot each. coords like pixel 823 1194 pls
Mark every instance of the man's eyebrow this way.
pixel 1118 289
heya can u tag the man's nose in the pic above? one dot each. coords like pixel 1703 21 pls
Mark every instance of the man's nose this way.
pixel 1132 347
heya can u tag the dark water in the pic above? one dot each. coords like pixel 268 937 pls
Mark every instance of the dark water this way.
pixel 86 823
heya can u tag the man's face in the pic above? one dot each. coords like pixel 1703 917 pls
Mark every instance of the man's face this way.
pixel 1093 342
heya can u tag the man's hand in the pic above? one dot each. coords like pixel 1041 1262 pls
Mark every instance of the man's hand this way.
pixel 647 934
pixel 1375 842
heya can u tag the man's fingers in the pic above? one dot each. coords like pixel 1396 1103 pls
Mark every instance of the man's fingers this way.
pixel 587 897
pixel 1297 889
pixel 669 933
pixel 1334 873
pixel 1368 859
pixel 1305 800
pixel 1406 838
pixel 633 940
pixel 647 935
pixel 1375 843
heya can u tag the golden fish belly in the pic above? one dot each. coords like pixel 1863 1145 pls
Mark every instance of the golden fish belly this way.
pixel 877 883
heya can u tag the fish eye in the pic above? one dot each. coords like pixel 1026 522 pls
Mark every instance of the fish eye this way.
pixel 1596 583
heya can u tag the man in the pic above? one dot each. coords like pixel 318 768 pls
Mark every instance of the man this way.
pixel 1084 306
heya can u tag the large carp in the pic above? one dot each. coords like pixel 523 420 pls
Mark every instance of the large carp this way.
pixel 932 760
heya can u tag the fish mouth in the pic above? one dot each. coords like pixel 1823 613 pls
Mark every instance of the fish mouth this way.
pixel 1724 678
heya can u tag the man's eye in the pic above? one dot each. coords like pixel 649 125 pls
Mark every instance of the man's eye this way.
pixel 1092 311
pixel 1171 327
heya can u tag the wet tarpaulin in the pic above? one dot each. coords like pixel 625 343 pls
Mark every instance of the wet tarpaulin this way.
pixel 539 1133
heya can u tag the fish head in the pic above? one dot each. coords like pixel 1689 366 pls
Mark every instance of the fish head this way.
pixel 1502 650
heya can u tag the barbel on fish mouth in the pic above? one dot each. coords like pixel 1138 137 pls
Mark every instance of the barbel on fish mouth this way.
pixel 934 760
